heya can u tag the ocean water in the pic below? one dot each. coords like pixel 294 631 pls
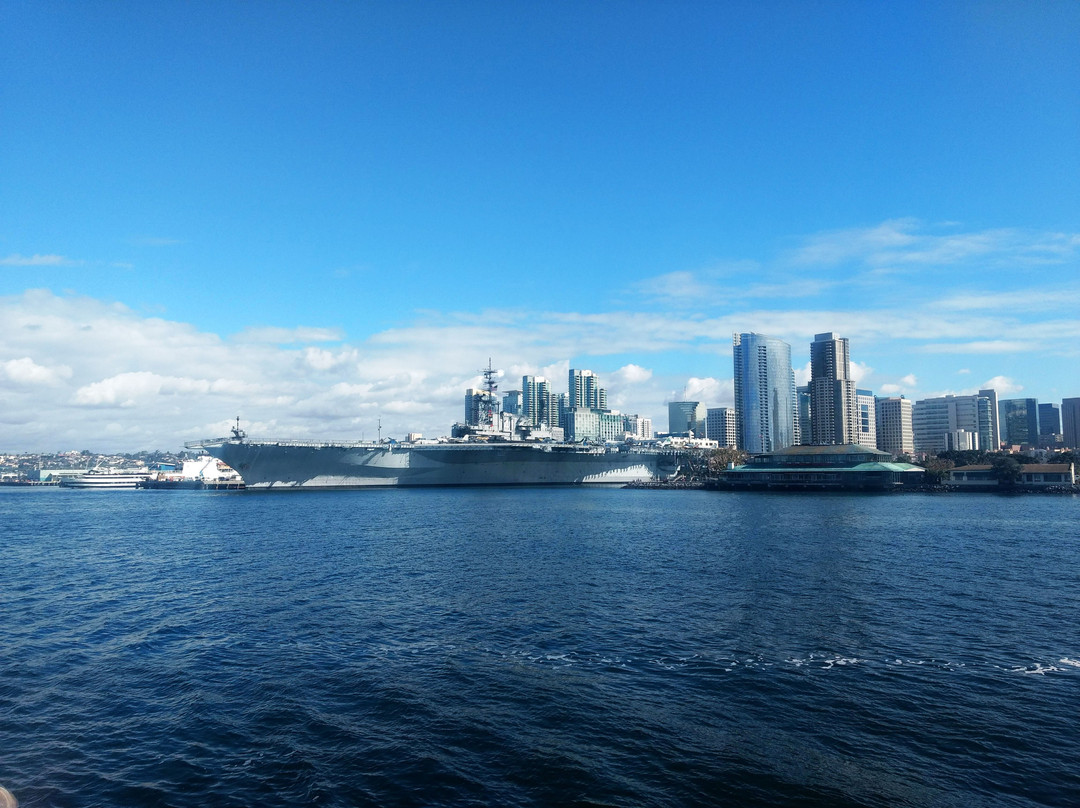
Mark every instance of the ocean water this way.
pixel 505 647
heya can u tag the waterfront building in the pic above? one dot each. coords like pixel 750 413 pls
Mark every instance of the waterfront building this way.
pixel 1019 419
pixel 865 419
pixel 720 426
pixel 764 393
pixel 995 425
pixel 933 418
pixel 1032 475
pixel 832 391
pixel 1070 422
pixel 686 416
pixel 803 430
pixel 894 431
pixel 842 467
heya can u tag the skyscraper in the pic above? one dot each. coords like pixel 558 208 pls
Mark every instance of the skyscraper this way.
pixel 720 426
pixel 536 401
pixel 638 427
pixel 1019 419
pixel 832 391
pixel 995 425
pixel 512 402
pixel 894 432
pixel 933 418
pixel 1070 422
pixel 1049 419
pixel 865 419
pixel 474 400
pixel 686 416
pixel 584 387
pixel 764 393
pixel 803 432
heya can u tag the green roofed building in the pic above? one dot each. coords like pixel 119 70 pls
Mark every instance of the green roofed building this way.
pixel 846 467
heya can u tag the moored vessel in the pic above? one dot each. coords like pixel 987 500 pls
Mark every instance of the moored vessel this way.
pixel 295 464
pixel 106 479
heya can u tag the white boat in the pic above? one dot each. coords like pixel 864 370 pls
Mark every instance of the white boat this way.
pixel 106 479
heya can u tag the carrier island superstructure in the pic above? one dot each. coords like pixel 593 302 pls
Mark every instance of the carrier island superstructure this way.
pixel 500 450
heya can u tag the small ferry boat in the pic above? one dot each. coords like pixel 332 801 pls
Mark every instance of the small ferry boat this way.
pixel 106 479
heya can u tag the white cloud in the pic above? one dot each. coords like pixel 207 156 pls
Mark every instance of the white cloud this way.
pixel 802 375
pixel 903 385
pixel 994 346
pixel 1002 385
pixel 27 371
pixel 289 336
pixel 709 391
pixel 900 242
pixel 16 260
pixel 681 285
pixel 632 374
pixel 129 389
pixel 1039 299
pixel 322 359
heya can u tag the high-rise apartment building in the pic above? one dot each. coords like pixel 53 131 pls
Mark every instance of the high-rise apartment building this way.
pixel 1019 419
pixel 686 416
pixel 1070 422
pixel 720 426
pixel 537 401
pixel 585 390
pixel 764 393
pixel 933 418
pixel 865 419
pixel 894 431
pixel 832 391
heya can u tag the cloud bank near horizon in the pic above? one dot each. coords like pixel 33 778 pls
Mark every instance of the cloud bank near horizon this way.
pixel 80 372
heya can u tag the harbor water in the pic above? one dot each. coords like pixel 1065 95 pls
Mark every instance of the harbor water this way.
pixel 535 647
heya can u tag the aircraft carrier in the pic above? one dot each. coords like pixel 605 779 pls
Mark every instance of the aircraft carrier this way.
pixel 295 464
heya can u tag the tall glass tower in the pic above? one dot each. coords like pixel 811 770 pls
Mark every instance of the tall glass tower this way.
pixel 765 403
pixel 832 391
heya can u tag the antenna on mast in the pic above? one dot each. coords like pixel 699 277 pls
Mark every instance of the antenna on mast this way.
pixel 487 402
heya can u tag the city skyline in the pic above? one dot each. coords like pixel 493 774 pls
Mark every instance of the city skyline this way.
pixel 193 228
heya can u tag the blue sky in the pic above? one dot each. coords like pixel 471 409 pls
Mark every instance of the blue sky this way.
pixel 317 216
